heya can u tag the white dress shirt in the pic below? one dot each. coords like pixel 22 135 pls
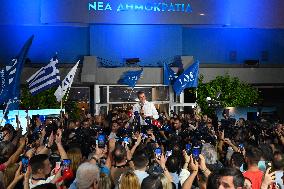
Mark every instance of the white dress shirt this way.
pixel 141 175
pixel 148 108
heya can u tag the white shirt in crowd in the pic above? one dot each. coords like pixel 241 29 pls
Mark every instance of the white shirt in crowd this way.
pixel 278 179
pixel 48 180
pixel 112 136
pixel 141 175
pixel 148 108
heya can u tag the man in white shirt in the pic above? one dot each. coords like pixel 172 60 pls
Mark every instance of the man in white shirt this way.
pixel 145 108
pixel 140 163
pixel 41 167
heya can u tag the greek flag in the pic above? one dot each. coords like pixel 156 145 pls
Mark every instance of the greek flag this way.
pixel 66 83
pixel 10 78
pixel 45 78
pixel 189 78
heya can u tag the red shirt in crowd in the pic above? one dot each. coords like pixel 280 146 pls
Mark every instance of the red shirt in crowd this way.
pixel 255 177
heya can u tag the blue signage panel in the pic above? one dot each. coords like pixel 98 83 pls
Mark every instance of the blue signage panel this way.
pixel 205 12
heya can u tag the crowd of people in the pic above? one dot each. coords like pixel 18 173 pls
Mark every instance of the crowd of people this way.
pixel 142 149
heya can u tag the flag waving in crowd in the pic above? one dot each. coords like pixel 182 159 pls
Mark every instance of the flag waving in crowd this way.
pixel 66 84
pixel 10 78
pixel 130 78
pixel 189 78
pixel 169 75
pixel 45 78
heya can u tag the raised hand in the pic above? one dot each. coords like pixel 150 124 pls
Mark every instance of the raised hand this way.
pixel 269 178
pixel 58 136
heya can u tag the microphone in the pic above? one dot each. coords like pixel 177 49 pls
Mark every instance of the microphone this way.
pixel 141 104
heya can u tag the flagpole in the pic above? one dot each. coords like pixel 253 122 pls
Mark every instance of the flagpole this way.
pixel 5 111
pixel 67 93
pixel 61 104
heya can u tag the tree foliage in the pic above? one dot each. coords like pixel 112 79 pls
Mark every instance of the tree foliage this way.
pixel 43 100
pixel 47 100
pixel 233 93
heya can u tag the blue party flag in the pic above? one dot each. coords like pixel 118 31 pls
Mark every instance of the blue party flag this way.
pixel 10 78
pixel 169 75
pixel 130 78
pixel 189 78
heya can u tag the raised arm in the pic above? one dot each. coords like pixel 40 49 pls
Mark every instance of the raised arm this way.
pixel 193 168
pixel 16 155
pixel 60 148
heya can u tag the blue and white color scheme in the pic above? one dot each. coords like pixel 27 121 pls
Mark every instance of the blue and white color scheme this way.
pixel 10 78
pixel 22 114
pixel 130 78
pixel 189 78
pixel 66 83
pixel 169 75
pixel 45 78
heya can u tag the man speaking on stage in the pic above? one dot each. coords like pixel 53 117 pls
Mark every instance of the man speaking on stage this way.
pixel 145 108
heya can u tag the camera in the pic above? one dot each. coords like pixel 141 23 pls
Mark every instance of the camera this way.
pixel 25 164
pixel 188 149
pixel 158 152
pixel 196 152
pixel 101 141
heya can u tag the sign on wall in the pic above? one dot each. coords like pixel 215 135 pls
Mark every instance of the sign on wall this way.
pixel 205 12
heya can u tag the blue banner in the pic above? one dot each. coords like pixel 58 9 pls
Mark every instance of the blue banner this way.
pixel 130 78
pixel 11 76
pixel 169 75
pixel 189 78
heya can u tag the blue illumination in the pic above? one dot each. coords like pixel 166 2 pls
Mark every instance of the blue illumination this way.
pixel 22 116
pixel 153 7
pixel 213 45
pixel 71 43
pixel 148 42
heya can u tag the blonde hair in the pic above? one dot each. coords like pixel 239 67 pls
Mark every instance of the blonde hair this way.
pixel 165 182
pixel 9 174
pixel 104 181
pixel 76 157
pixel 129 180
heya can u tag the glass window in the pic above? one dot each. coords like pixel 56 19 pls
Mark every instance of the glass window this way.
pixel 79 94
pixel 127 94
pixel 160 93
pixel 103 94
